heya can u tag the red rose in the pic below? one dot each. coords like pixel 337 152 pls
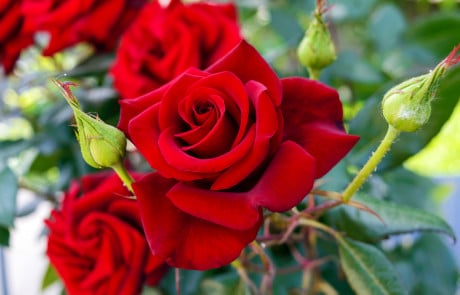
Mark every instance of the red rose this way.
pixel 98 22
pixel 226 142
pixel 13 39
pixel 165 41
pixel 96 242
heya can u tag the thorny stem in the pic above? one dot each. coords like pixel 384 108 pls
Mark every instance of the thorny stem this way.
pixel 327 194
pixel 322 207
pixel 307 264
pixel 309 274
pixel 371 164
pixel 240 269
pixel 318 225
pixel 267 280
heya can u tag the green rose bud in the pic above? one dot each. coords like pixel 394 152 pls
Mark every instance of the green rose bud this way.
pixel 407 106
pixel 101 145
pixel 316 50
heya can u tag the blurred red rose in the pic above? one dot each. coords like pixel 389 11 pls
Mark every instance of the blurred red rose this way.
pixel 13 38
pixel 226 142
pixel 96 242
pixel 98 22
pixel 165 41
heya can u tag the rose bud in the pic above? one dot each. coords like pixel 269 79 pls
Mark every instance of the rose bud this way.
pixel 101 145
pixel 316 50
pixel 407 106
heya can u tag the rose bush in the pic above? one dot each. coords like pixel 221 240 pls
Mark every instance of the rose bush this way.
pixel 164 41
pixel 13 38
pixel 96 242
pixel 98 22
pixel 226 142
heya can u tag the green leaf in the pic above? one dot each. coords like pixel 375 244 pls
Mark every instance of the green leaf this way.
pixel 427 266
pixel 386 26
pixel 286 25
pixel 368 271
pixel 4 236
pixel 351 9
pixel 439 157
pixel 398 219
pixel 410 189
pixel 10 148
pixel 350 66
pixel 8 191
pixel 49 278
pixel 284 284
pixel 150 291
pixel 217 286
pixel 437 33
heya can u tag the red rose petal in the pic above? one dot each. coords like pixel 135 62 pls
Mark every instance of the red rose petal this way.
pixel 131 108
pixel 206 245
pixel 183 240
pixel 176 157
pixel 246 63
pixel 313 119
pixel 229 209
pixel 163 222
pixel 194 135
pixel 310 100
pixel 168 113
pixel 209 108
pixel 146 123
pixel 234 94
pixel 326 143
pixel 287 180
pixel 266 127
pixel 109 13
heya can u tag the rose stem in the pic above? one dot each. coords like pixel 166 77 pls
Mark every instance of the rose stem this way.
pixel 314 74
pixel 371 164
pixel 121 171
pixel 240 269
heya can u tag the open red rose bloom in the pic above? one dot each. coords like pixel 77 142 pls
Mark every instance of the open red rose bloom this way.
pixel 227 142
pixel 13 38
pixel 98 22
pixel 96 242
pixel 163 42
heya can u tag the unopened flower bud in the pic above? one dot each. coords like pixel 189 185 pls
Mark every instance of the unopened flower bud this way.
pixel 316 50
pixel 101 145
pixel 407 106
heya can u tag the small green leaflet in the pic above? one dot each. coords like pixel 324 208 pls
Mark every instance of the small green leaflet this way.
pixel 368 271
